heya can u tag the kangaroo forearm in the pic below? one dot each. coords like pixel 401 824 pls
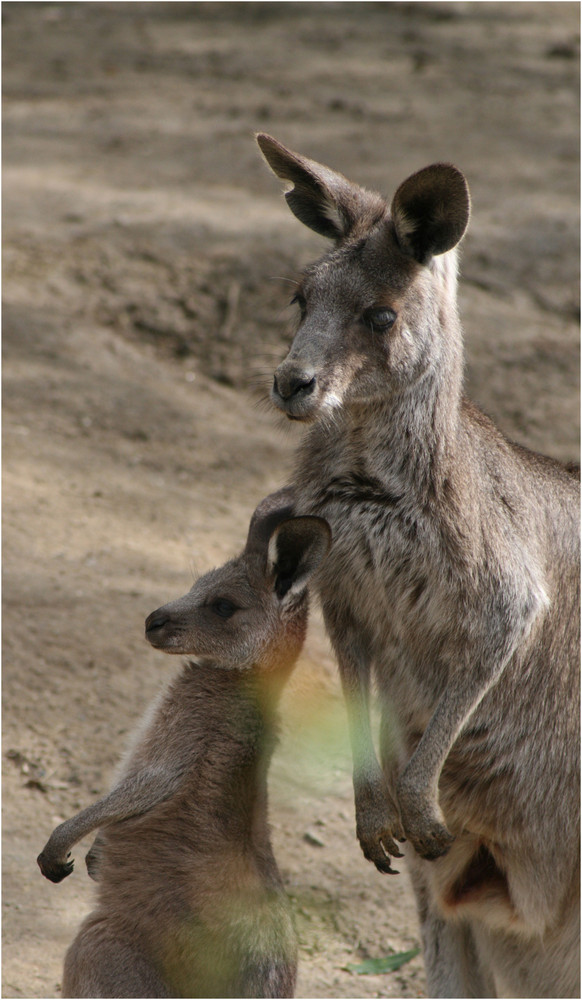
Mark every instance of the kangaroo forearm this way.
pixel 377 822
pixel 498 622
pixel 360 730
pixel 131 797
pixel 483 661
pixel 356 683
pixel 355 678
pixel 455 707
pixel 417 788
pixel 72 830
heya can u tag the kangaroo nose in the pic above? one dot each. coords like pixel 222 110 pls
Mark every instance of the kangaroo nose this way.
pixel 290 382
pixel 156 621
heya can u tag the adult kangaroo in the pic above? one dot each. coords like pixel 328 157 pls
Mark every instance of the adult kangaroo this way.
pixel 453 577
pixel 190 899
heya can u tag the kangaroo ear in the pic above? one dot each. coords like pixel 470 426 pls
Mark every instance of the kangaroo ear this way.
pixel 430 211
pixel 322 199
pixel 277 507
pixel 296 548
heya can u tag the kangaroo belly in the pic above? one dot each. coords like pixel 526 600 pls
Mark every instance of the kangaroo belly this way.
pixel 227 947
pixel 203 939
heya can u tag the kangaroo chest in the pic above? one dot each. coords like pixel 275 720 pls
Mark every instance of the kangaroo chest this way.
pixel 385 575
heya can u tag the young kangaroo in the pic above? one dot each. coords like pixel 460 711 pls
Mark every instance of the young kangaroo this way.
pixel 454 577
pixel 190 900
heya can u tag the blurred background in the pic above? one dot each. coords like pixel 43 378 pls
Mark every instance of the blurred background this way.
pixel 147 255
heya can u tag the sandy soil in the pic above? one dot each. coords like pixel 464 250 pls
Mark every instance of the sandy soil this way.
pixel 146 249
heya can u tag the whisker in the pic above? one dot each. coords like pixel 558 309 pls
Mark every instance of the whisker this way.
pixel 279 277
pixel 262 403
pixel 268 358
pixel 194 568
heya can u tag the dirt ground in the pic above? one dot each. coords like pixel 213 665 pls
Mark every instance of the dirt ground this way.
pixel 146 248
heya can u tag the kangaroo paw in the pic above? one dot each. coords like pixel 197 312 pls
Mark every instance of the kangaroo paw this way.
pixel 377 825
pixel 54 869
pixel 423 824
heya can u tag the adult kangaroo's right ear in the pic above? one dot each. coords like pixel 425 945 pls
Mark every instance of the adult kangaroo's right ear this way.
pixel 430 211
pixel 296 548
pixel 322 199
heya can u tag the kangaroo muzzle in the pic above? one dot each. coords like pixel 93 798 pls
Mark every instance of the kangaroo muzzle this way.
pixel 294 389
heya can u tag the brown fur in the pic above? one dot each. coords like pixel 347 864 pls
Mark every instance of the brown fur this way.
pixel 190 899
pixel 453 577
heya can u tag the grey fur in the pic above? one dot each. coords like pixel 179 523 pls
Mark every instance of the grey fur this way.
pixel 453 578
pixel 190 899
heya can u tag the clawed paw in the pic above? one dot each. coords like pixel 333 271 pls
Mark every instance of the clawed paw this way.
pixel 432 843
pixel 378 827
pixel 55 871
pixel 424 825
pixel 379 848
pixel 377 853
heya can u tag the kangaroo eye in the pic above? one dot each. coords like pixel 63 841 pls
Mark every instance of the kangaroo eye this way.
pixel 299 299
pixel 223 607
pixel 379 320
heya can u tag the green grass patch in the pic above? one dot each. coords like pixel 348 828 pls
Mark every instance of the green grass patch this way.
pixel 375 966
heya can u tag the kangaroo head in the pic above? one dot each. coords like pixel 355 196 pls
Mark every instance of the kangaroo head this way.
pixel 376 312
pixel 251 612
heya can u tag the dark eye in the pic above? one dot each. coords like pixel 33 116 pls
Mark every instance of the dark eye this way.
pixel 223 607
pixel 379 320
pixel 299 299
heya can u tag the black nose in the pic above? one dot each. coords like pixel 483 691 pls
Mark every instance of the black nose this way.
pixel 288 385
pixel 156 621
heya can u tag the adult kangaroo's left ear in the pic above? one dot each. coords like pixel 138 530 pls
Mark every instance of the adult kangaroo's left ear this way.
pixel 430 211
pixel 296 548
pixel 322 199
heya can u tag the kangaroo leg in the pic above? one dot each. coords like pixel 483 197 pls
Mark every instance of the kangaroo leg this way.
pixel 452 963
pixel 543 966
pixel 99 963
pixel 270 978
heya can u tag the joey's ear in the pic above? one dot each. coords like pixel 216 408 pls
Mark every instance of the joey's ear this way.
pixel 322 199
pixel 296 548
pixel 277 507
pixel 430 211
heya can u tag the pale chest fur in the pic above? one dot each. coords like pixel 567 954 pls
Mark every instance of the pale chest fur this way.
pixel 381 573
pixel 421 578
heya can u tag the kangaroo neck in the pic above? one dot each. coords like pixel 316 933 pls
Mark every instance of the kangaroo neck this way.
pixel 234 699
pixel 244 785
pixel 408 439
pixel 233 745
